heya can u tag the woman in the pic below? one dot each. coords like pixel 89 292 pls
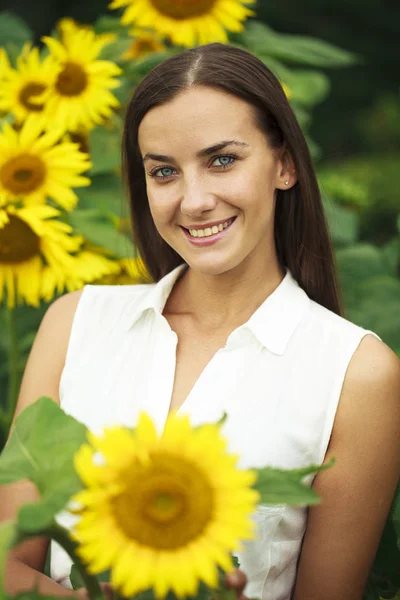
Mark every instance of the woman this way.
pixel 244 318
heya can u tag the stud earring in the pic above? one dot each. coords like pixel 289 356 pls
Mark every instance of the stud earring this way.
pixel 286 182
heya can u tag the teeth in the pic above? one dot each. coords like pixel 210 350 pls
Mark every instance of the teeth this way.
pixel 209 230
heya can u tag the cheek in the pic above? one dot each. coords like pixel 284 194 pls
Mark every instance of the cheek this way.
pixel 161 206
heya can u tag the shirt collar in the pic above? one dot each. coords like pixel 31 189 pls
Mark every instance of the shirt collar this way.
pixel 273 323
pixel 157 296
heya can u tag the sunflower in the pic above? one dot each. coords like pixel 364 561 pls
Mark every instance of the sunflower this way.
pixel 87 266
pixel 30 238
pixel 159 503
pixel 69 27
pixel 80 96
pixel 4 63
pixel 187 22
pixel 22 86
pixel 130 272
pixel 143 44
pixel 287 90
pixel 33 166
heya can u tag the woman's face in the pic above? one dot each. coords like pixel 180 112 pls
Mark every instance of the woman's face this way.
pixel 210 170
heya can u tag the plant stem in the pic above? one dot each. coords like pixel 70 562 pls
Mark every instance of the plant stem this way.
pixel 60 535
pixel 13 361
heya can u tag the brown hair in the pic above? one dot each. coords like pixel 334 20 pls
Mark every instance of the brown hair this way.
pixel 301 233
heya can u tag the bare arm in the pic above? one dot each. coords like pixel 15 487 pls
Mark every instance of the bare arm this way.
pixel 41 378
pixel 343 532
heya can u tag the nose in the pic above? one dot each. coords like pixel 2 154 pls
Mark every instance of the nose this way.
pixel 196 199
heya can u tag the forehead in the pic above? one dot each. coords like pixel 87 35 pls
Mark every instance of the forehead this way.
pixel 197 117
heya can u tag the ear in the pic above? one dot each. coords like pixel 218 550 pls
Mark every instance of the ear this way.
pixel 286 173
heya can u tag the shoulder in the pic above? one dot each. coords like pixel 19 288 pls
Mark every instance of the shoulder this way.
pixel 374 374
pixel 369 406
pixel 60 314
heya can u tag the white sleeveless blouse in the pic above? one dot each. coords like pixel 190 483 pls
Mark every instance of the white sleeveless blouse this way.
pixel 278 378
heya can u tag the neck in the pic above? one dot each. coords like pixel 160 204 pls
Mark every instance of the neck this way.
pixel 226 300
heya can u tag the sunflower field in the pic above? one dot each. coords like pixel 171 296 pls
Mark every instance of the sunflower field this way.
pixel 64 219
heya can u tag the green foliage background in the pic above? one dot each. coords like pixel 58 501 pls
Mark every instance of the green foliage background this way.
pixel 352 119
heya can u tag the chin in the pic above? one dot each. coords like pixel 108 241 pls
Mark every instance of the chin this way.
pixel 211 267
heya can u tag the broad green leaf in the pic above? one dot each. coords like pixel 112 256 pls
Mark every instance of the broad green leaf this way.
pixel 7 537
pixel 105 149
pixel 263 40
pixel 360 262
pixel 105 194
pixel 308 87
pixel 13 30
pixel 343 223
pixel 115 49
pixel 41 448
pixel 278 486
pixel 108 24
pixel 100 231
pixel 375 305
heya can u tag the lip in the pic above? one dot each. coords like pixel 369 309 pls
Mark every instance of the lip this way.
pixel 205 225
pixel 209 240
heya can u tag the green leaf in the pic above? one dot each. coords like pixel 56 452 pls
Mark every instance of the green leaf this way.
pixel 105 149
pixel 263 40
pixel 105 195
pixel 360 262
pixel 307 87
pixel 76 579
pixel 100 231
pixel 41 448
pixel 7 537
pixel 375 304
pixel 277 486
pixel 343 222
pixel 398 223
pixel 13 30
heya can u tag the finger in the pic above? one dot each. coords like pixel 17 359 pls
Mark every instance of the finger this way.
pixel 236 580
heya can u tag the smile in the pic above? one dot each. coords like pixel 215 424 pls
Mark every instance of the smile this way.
pixel 208 235
pixel 208 231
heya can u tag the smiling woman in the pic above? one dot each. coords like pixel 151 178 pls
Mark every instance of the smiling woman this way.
pixel 243 319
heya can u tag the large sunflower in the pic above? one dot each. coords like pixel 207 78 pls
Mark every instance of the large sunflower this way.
pixel 4 63
pixel 187 22
pixel 87 266
pixel 161 512
pixel 131 271
pixel 81 94
pixel 34 166
pixel 143 43
pixel 30 238
pixel 22 86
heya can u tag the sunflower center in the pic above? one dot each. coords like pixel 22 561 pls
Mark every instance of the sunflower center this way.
pixel 143 46
pixel 23 174
pixel 18 242
pixel 28 92
pixel 166 503
pixel 183 9
pixel 72 80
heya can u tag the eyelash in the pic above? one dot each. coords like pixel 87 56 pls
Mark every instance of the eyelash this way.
pixel 153 172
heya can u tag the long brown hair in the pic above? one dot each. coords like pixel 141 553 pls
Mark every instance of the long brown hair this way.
pixel 301 233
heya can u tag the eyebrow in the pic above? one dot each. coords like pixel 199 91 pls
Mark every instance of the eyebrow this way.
pixel 205 152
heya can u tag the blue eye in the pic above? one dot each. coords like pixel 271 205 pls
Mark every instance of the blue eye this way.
pixel 162 170
pixel 225 160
